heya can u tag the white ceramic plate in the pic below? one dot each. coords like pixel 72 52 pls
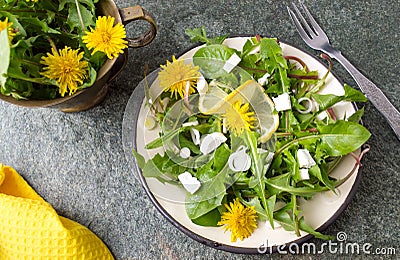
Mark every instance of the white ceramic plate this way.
pixel 319 212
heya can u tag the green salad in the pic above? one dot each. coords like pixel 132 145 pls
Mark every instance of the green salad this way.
pixel 247 133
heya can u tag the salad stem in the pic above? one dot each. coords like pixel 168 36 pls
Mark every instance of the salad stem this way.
pixel 295 216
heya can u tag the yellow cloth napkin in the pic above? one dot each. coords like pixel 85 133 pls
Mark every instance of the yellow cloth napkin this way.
pixel 31 229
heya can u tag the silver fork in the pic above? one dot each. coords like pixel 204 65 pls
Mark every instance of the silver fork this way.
pixel 317 39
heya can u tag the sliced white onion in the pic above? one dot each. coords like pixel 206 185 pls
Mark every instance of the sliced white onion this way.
pixel 184 153
pixel 239 161
pixel 309 106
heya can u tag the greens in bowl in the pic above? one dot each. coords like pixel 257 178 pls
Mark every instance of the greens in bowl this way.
pixel 248 134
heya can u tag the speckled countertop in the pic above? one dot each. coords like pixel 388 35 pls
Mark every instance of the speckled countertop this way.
pixel 77 163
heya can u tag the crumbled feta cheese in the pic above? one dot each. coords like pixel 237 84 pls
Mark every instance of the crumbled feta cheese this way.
pixel 184 153
pixel 231 62
pixel 195 134
pixel 305 159
pixel 212 141
pixel 282 102
pixel 190 183
pixel 264 79
pixel 304 174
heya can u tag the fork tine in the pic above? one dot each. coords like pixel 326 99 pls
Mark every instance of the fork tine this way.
pixel 314 23
pixel 299 27
pixel 310 31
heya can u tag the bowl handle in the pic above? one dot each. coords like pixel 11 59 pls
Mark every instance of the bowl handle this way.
pixel 133 13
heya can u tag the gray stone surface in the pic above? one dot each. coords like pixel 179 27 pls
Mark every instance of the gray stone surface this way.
pixel 76 161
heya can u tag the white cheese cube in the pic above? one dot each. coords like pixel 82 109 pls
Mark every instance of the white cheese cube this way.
pixel 190 183
pixel 184 153
pixel 264 79
pixel 282 102
pixel 231 62
pixel 304 174
pixel 305 159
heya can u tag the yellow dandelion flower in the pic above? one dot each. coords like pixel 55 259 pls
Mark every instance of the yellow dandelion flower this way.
pixel 35 1
pixel 240 220
pixel 66 68
pixel 5 24
pixel 106 37
pixel 238 118
pixel 175 75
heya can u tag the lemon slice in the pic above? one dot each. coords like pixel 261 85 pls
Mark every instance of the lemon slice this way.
pixel 216 101
pixel 212 101
pixel 253 93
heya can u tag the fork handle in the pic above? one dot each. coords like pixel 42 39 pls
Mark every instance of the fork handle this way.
pixel 373 93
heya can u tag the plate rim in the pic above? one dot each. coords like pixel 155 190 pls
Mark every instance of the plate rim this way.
pixel 139 92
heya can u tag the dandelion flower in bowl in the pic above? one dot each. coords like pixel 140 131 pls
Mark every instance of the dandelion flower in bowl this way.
pixel 66 67
pixel 106 37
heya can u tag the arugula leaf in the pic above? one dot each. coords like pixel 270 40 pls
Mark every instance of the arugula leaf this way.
pixel 322 176
pixel 271 53
pixel 200 35
pixel 281 183
pixel 286 222
pixel 270 49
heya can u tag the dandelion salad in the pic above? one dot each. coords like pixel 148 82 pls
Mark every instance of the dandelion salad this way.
pixel 247 134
